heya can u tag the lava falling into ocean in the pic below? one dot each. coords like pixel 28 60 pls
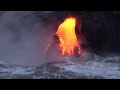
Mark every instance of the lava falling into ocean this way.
pixel 67 37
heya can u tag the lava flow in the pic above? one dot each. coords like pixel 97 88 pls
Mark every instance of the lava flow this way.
pixel 67 37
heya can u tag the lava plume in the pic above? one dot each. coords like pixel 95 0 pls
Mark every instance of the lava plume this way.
pixel 67 37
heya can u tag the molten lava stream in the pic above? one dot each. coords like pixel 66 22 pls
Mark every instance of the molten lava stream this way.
pixel 67 36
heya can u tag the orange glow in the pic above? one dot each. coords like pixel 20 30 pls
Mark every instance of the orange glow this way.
pixel 67 36
pixel 47 49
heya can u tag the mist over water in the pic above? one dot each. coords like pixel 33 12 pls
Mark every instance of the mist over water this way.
pixel 24 36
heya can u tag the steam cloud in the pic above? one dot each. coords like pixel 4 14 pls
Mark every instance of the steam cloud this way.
pixel 24 35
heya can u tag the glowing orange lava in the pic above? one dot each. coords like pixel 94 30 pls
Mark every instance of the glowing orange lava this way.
pixel 67 36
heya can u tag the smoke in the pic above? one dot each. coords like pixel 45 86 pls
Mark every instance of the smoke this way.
pixel 24 35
